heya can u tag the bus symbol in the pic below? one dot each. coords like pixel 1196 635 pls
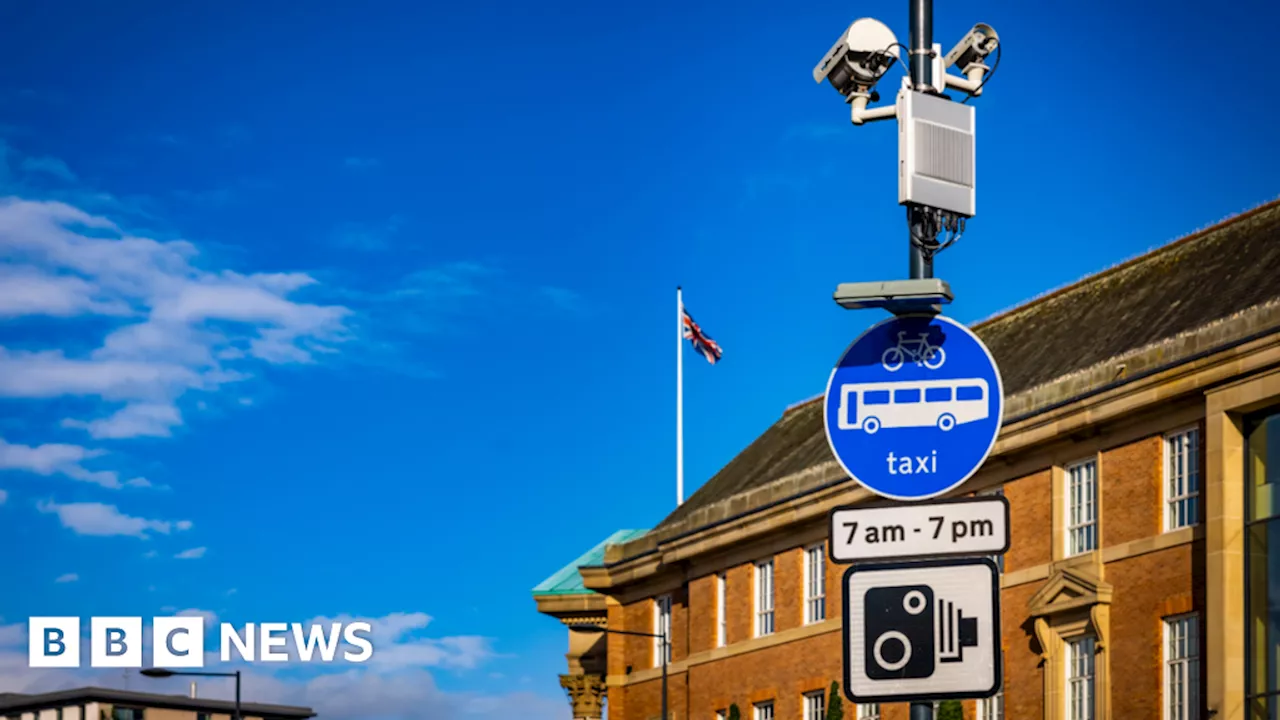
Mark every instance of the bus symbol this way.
pixel 926 403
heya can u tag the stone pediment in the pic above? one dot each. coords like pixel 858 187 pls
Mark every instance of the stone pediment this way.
pixel 1068 589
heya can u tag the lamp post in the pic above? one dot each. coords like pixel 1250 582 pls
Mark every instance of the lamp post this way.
pixel 666 648
pixel 159 673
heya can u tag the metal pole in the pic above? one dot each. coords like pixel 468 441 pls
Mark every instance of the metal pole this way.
pixel 921 711
pixel 238 716
pixel 679 398
pixel 921 78
pixel 921 266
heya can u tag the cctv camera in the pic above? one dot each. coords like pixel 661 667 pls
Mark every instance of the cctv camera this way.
pixel 859 58
pixel 976 45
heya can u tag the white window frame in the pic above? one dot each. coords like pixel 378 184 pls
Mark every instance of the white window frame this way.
pixel 1080 654
pixel 991 708
pixel 815 705
pixel 867 711
pixel 1084 530
pixel 815 581
pixel 1184 667
pixel 764 605
pixel 722 714
pixel 662 626
pixel 1182 492
pixel 722 620
pixel 763 710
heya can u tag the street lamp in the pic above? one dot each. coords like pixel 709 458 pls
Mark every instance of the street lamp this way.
pixel 159 673
pixel 665 649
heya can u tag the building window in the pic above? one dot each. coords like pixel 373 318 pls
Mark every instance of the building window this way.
pixel 1082 507
pixel 815 706
pixel 992 708
pixel 126 713
pixel 1080 679
pixel 1181 668
pixel 662 628
pixel 815 579
pixel 764 599
pixel 867 712
pixel 202 716
pixel 721 619
pixel 721 714
pixel 1182 479
pixel 764 711
pixel 1262 565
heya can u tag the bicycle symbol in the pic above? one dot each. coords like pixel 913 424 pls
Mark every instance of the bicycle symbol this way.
pixel 919 350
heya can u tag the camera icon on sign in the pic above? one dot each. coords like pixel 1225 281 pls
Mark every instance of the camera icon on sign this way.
pixel 909 631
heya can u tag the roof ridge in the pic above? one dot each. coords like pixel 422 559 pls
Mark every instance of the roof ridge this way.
pixel 1136 259
pixel 1122 265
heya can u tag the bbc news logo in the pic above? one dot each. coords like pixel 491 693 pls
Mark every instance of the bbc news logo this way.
pixel 178 642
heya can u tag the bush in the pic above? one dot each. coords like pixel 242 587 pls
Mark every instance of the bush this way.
pixel 835 704
pixel 950 710
pixel 733 713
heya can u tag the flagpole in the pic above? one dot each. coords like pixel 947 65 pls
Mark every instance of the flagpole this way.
pixel 679 398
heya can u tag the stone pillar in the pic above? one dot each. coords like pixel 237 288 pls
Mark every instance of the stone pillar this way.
pixel 586 695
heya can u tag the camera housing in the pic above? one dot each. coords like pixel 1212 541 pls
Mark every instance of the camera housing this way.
pixel 973 48
pixel 859 58
pixel 968 57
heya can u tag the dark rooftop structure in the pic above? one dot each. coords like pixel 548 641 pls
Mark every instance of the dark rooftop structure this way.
pixel 16 703
pixel 1208 291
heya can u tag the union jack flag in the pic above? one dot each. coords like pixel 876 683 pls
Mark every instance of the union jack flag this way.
pixel 701 341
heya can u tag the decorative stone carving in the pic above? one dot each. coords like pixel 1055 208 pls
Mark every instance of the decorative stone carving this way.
pixel 586 695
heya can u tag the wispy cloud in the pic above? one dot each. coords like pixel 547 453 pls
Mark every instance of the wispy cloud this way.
pixel 4 496
pixel 192 554
pixel 98 519
pixel 50 166
pixel 68 578
pixel 61 459
pixel 186 328
pixel 361 163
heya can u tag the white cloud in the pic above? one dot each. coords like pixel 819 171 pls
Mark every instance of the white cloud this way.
pixel 68 578
pixel 56 459
pixel 4 496
pixel 178 326
pixel 192 554
pixel 91 518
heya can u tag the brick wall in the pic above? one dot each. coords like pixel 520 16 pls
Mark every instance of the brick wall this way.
pixel 1147 588
pixel 1030 521
pixel 1130 486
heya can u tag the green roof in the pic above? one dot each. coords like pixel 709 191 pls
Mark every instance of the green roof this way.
pixel 567 581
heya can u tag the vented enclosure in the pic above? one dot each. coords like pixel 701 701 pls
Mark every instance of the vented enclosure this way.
pixel 936 153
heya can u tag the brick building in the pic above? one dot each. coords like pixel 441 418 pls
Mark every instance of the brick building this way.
pixel 1141 404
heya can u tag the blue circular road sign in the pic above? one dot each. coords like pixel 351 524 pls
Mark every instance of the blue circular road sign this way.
pixel 914 406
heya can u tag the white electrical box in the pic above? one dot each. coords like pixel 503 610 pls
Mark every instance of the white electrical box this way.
pixel 936 151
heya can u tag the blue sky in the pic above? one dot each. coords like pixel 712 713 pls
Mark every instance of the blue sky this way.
pixel 361 304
